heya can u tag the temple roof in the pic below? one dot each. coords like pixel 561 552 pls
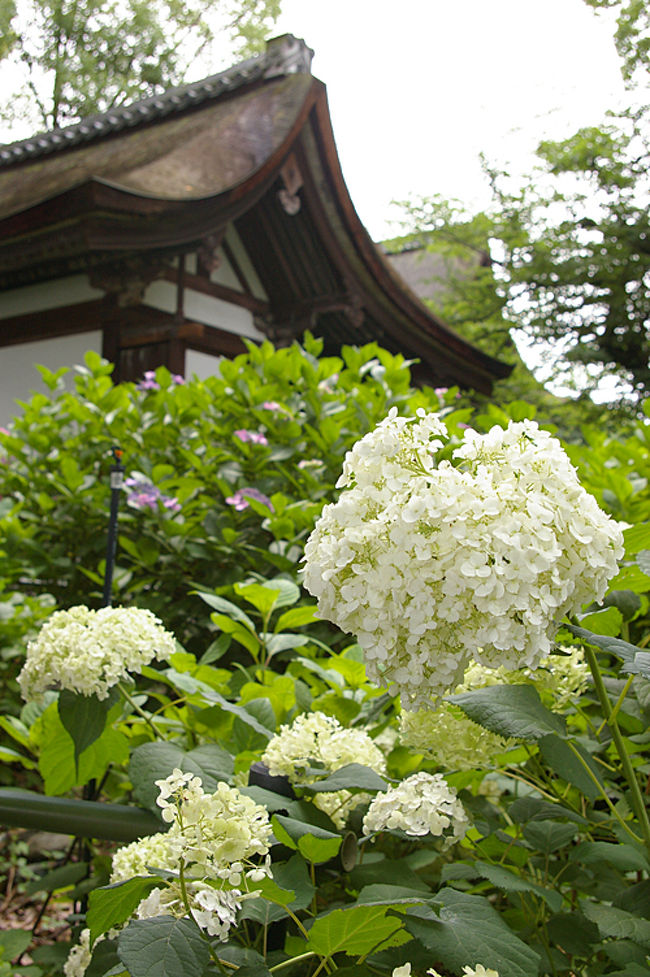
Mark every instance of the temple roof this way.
pixel 252 146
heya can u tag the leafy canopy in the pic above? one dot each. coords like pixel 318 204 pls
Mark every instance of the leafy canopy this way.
pixel 75 58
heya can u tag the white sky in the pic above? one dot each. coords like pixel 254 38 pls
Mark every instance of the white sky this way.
pixel 418 88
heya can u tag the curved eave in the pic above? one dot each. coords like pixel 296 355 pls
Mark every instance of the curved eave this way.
pixel 402 313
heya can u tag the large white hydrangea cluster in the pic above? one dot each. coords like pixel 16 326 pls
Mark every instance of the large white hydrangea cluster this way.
pixel 221 842
pixel 435 563
pixel 423 804
pixel 89 651
pixel 447 736
pixel 315 739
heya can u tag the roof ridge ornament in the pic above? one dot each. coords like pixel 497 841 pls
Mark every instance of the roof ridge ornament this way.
pixel 287 55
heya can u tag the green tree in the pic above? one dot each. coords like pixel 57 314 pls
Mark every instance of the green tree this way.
pixel 79 57
pixel 567 251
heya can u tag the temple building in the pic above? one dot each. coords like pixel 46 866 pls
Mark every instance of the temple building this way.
pixel 166 231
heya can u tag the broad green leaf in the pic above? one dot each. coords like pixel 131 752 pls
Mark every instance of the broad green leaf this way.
pixel 155 761
pixel 622 856
pixel 382 894
pixel 245 715
pixel 613 646
pixel 315 844
pixel 13 943
pixel 617 923
pixel 281 642
pixel 607 621
pixel 57 754
pixel 468 928
pixel 504 878
pixel 562 760
pixel 9 755
pixel 549 836
pixel 58 878
pixel 512 711
pixel 352 777
pixel 163 947
pixel 113 904
pixel 238 632
pixel 637 537
pixel 355 931
pixel 262 598
pixel 226 607
pixel 104 960
pixel 534 809
pixel 573 932
pixel 84 717
pixel 297 617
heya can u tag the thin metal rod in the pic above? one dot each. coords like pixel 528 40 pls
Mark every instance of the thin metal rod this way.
pixel 117 474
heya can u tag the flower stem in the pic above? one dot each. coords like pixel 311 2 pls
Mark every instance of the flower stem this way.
pixel 136 708
pixel 638 803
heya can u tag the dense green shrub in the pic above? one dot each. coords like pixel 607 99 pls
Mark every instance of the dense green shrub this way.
pixel 277 422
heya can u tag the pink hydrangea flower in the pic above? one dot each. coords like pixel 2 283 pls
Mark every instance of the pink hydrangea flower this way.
pixel 148 381
pixel 255 437
pixel 240 499
pixel 145 495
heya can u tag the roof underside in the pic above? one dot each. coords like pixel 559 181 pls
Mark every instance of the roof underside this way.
pixel 162 186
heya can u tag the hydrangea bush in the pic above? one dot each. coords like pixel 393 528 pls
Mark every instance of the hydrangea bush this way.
pixel 284 814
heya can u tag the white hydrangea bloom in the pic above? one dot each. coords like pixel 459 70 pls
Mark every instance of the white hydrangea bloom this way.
pixel 433 564
pixel 423 804
pixel 79 956
pixel 316 739
pixel 89 651
pixel 444 733
pixel 212 837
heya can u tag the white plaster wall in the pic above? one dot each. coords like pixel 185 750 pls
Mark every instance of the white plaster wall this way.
pixel 240 253
pixel 203 308
pixel 201 364
pixel 19 378
pixel 47 295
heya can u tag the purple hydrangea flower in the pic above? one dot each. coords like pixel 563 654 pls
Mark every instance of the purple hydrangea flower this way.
pixel 149 381
pixel 145 495
pixel 240 499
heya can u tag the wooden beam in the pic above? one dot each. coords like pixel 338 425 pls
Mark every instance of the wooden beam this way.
pixel 67 320
pixel 199 284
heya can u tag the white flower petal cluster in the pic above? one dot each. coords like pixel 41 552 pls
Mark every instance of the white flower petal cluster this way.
pixel 213 838
pixel 423 804
pixel 433 564
pixel 318 740
pixel 79 956
pixel 444 734
pixel 88 651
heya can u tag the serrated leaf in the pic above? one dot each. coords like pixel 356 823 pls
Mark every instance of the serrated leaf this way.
pixel 315 844
pixel 352 777
pixel 503 878
pixel 468 928
pixel 245 715
pixel 163 947
pixel 563 761
pixel 622 856
pixel 549 836
pixel 608 621
pixel 14 942
pixel 613 646
pixel 355 931
pixel 382 894
pixel 56 761
pixel 534 809
pixel 155 761
pixel 617 923
pixel 573 932
pixel 113 904
pixel 511 711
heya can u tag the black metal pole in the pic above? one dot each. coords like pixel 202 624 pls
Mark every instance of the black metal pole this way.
pixel 117 474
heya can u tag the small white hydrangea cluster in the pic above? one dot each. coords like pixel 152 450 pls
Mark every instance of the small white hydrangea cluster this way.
pixel 423 804
pixel 89 651
pixel 447 736
pixel 79 956
pixel 214 838
pixel 317 740
pixel 433 564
